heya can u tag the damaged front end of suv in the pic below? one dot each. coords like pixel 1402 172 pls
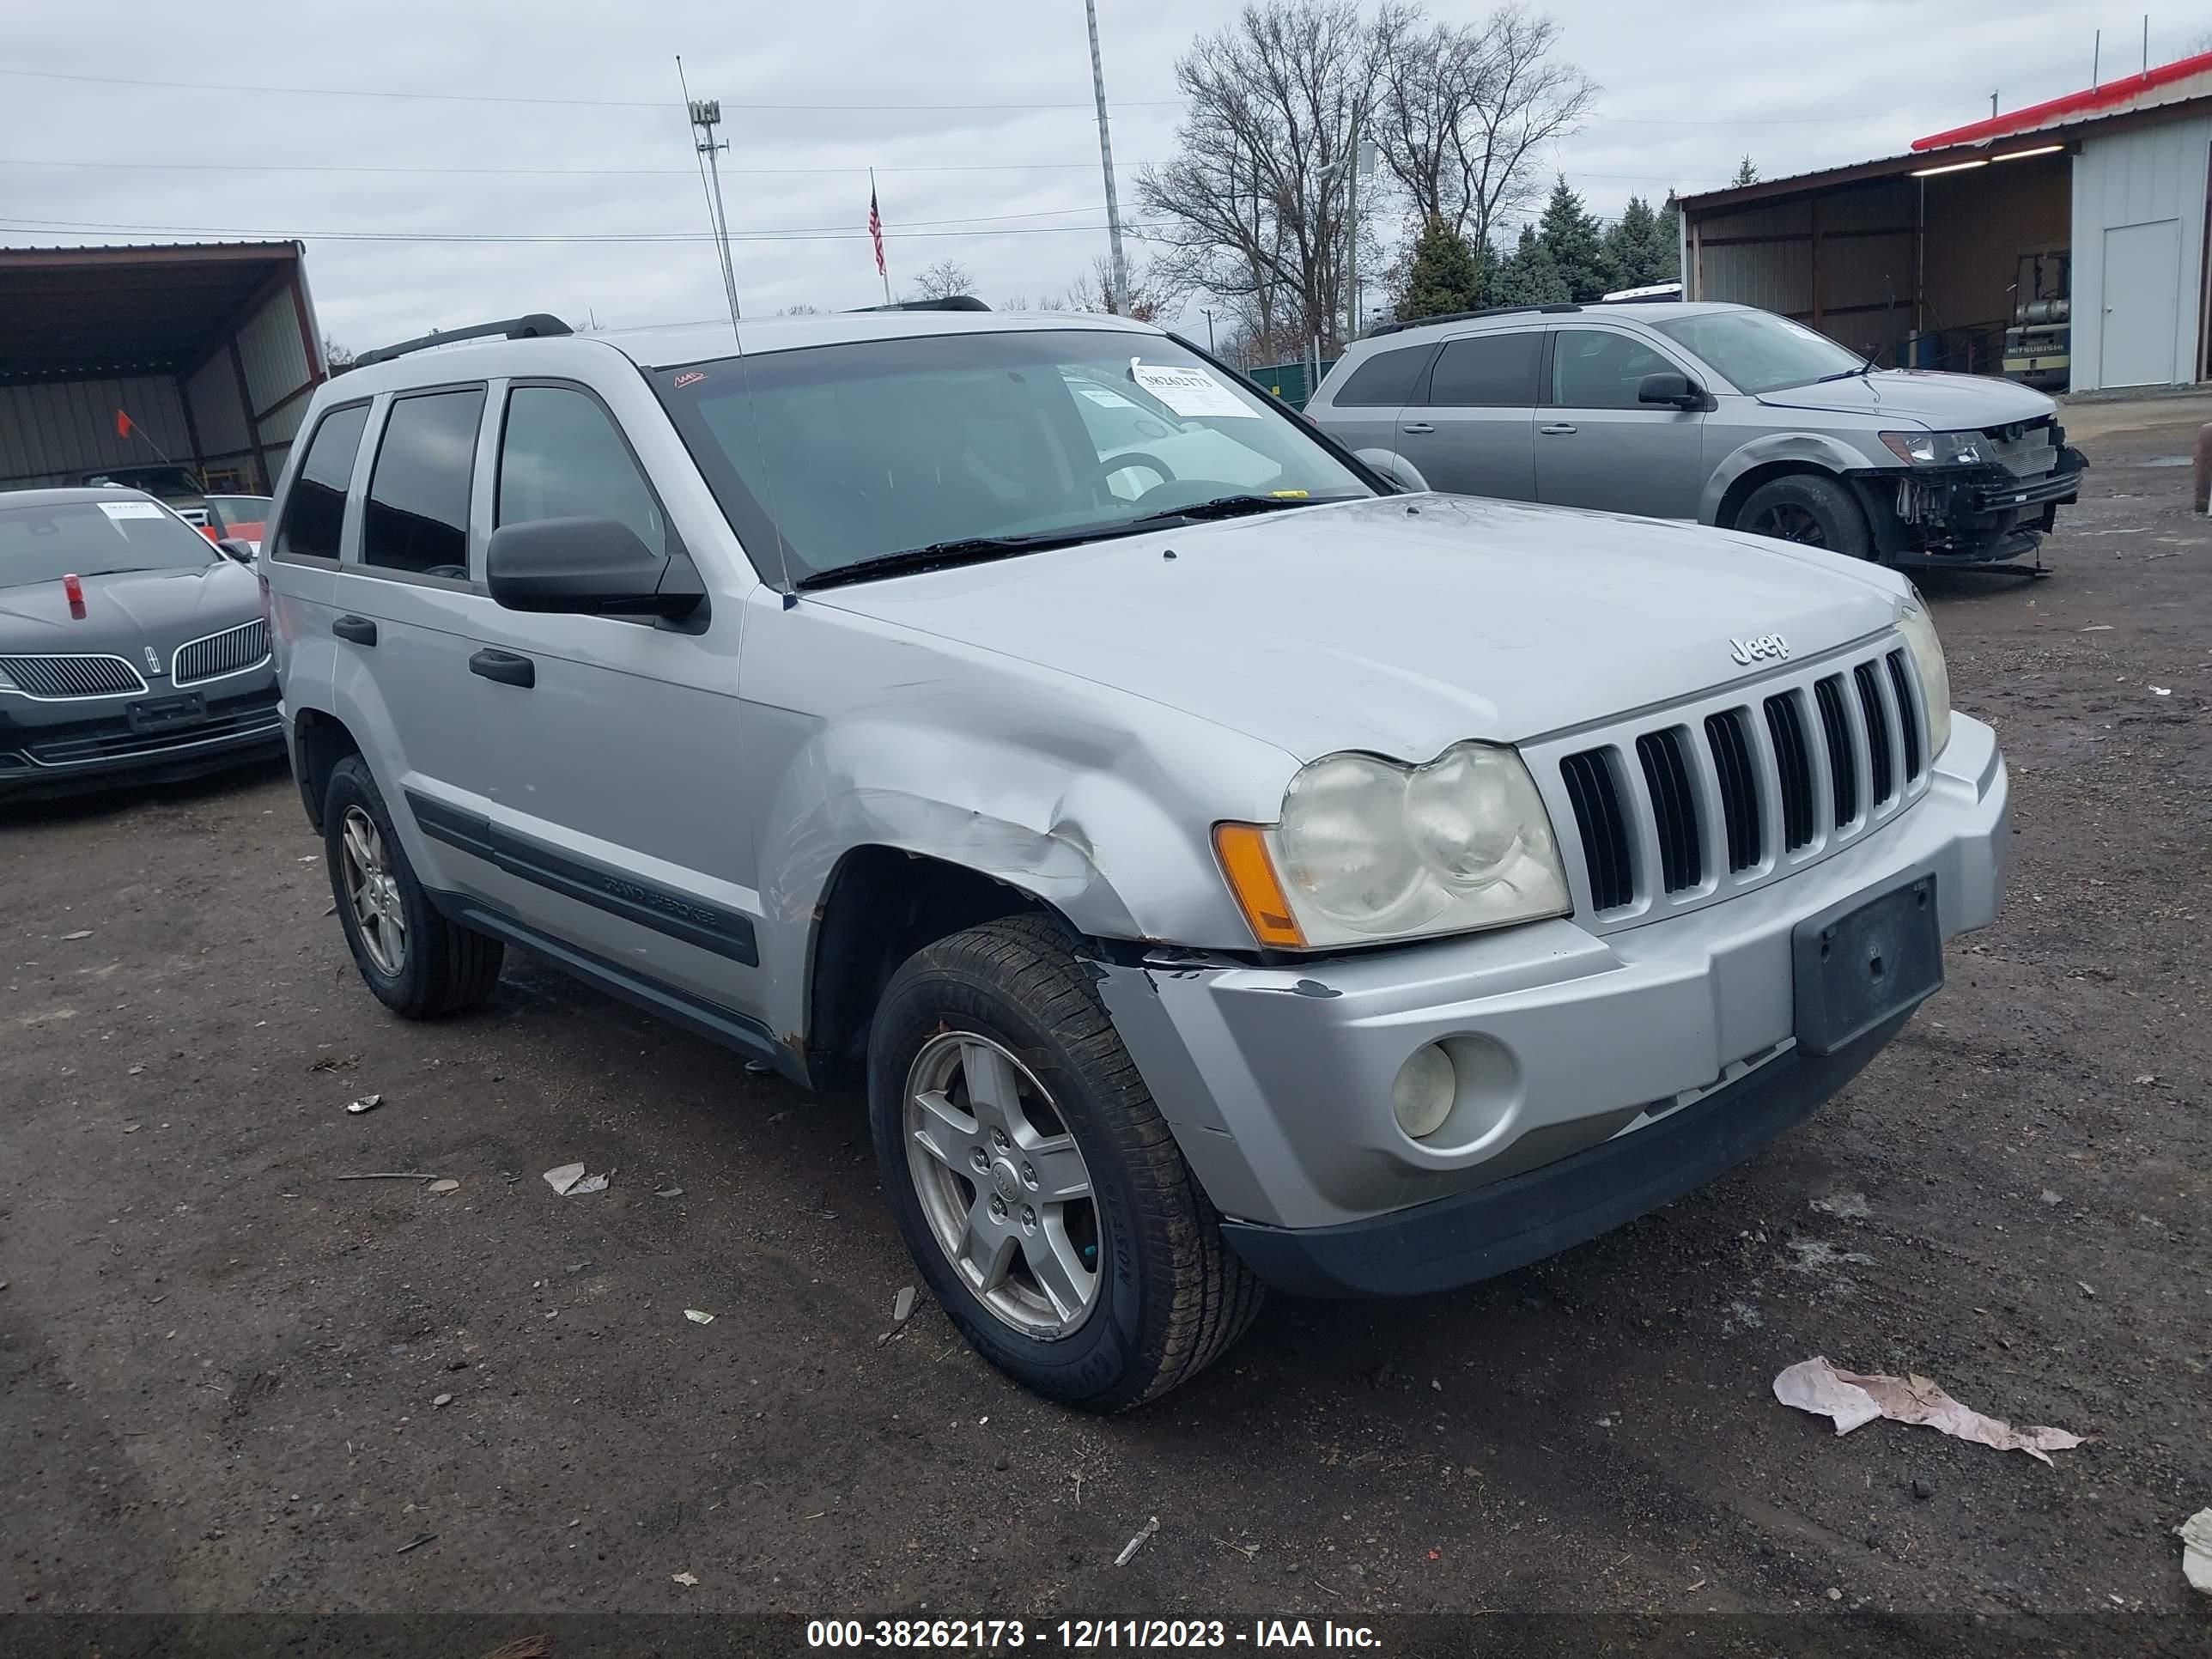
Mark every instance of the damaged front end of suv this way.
pixel 1972 497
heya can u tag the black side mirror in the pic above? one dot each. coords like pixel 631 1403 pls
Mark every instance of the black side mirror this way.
pixel 1669 388
pixel 233 548
pixel 594 567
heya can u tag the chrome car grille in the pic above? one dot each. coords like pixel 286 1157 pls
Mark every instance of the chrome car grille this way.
pixel 73 677
pixel 226 653
pixel 1691 804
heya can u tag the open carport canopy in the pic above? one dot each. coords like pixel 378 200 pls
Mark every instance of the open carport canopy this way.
pixel 118 311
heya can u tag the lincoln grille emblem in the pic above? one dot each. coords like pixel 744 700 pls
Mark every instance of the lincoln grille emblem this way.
pixel 153 662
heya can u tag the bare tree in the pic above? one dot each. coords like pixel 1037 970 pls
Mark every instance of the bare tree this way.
pixel 1157 290
pixel 1254 204
pixel 943 280
pixel 802 309
pixel 1464 113
pixel 337 358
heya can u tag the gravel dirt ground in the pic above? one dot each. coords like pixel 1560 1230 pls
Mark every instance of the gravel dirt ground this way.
pixel 230 1380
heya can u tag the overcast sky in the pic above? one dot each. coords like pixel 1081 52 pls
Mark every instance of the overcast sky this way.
pixel 1011 193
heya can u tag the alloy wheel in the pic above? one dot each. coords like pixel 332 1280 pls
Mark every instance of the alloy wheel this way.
pixel 1003 1184
pixel 373 890
pixel 1786 521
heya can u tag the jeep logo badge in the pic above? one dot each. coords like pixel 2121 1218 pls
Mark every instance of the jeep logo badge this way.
pixel 1766 646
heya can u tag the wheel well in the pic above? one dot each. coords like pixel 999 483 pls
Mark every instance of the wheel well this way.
pixel 320 742
pixel 883 904
pixel 1740 491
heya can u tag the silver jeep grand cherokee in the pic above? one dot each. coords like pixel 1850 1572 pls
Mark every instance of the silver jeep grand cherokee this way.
pixel 1721 413
pixel 1218 869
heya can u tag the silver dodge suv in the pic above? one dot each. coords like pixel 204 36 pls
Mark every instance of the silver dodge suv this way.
pixel 1217 868
pixel 1720 413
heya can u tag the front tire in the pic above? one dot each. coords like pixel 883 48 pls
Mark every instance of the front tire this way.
pixel 1039 1188
pixel 417 963
pixel 1810 510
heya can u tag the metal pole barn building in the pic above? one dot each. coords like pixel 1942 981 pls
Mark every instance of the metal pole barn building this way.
pixel 209 351
pixel 2064 243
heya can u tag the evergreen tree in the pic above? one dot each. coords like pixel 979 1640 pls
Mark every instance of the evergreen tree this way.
pixel 1637 247
pixel 1670 239
pixel 1447 274
pixel 1530 276
pixel 1571 236
pixel 1746 173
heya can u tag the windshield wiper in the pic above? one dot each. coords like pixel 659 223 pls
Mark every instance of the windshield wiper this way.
pixel 1843 374
pixel 976 550
pixel 1231 507
pixel 942 556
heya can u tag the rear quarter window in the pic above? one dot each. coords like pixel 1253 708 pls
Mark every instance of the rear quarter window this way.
pixel 1386 379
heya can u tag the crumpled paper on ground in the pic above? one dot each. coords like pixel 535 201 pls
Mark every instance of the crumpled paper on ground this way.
pixel 2197 1550
pixel 1852 1398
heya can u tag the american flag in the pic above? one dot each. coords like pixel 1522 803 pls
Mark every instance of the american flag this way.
pixel 876 233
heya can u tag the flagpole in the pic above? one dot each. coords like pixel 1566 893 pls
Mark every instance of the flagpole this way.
pixel 883 267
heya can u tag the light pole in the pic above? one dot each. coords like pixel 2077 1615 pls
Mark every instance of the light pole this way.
pixel 1121 297
pixel 1208 312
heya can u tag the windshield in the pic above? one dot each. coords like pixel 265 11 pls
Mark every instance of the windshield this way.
pixel 880 447
pixel 1759 351
pixel 93 539
pixel 242 516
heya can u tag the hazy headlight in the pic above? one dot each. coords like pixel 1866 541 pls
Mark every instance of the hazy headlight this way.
pixel 1918 628
pixel 1937 448
pixel 1368 850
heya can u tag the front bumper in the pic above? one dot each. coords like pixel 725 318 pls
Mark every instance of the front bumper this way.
pixel 1573 1050
pixel 1965 514
pixel 60 748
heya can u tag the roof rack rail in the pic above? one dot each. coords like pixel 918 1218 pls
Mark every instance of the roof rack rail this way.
pixel 538 325
pixel 1460 317
pixel 950 302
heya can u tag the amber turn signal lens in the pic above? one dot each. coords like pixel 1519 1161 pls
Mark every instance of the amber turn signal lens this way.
pixel 1242 850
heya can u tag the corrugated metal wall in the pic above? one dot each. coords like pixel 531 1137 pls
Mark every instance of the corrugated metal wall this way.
pixel 1842 261
pixel 216 411
pixel 2148 176
pixel 55 432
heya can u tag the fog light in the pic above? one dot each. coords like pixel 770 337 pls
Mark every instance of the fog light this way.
pixel 1422 1097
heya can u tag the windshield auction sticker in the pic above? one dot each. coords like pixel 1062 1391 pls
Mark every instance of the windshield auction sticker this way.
pixel 1190 392
pixel 131 510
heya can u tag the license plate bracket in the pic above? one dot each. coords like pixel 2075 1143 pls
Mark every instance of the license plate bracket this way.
pixel 153 715
pixel 1865 961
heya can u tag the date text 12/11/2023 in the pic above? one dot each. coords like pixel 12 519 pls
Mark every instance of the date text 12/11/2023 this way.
pixel 1085 1634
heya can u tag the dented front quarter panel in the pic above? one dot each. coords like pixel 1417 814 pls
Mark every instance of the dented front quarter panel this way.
pixel 1100 803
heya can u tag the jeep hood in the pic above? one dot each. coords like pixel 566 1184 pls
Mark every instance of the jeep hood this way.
pixel 1942 403
pixel 1399 625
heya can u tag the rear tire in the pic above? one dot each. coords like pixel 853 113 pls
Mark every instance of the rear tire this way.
pixel 417 963
pixel 1812 511
pixel 1008 1003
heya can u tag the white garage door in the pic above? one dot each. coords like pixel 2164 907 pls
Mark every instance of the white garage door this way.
pixel 2142 303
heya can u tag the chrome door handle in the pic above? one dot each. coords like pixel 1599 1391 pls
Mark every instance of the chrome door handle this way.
pixel 1558 429
pixel 1417 425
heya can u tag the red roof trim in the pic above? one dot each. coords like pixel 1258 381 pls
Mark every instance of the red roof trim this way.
pixel 2074 103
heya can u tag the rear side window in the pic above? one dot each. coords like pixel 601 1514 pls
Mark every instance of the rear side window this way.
pixel 1385 380
pixel 417 519
pixel 1489 371
pixel 561 457
pixel 314 513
